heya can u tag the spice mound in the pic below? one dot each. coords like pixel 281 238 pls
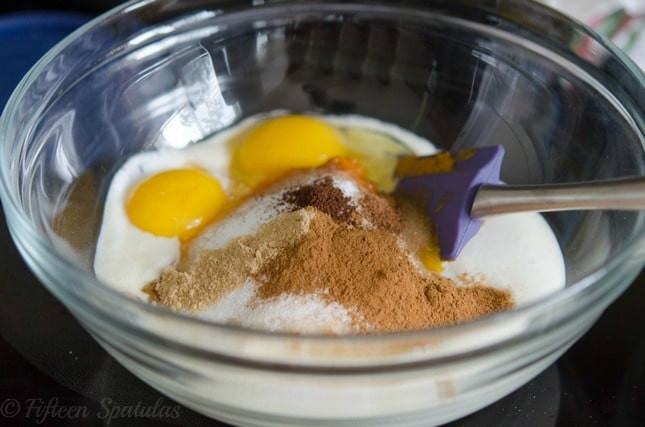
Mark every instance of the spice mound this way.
pixel 321 251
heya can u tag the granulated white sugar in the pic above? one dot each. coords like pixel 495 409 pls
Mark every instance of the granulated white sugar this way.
pixel 308 314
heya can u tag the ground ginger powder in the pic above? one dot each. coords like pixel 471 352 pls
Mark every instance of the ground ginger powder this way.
pixel 217 272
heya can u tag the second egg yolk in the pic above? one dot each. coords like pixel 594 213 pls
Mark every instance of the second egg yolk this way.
pixel 284 143
pixel 175 203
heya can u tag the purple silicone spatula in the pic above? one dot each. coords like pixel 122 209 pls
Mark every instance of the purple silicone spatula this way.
pixel 456 199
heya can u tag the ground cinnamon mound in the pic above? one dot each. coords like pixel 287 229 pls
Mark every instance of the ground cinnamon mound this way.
pixel 380 211
pixel 367 271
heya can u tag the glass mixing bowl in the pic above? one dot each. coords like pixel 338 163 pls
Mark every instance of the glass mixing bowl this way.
pixel 566 105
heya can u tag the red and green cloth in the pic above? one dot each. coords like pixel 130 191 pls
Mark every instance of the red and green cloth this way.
pixel 621 21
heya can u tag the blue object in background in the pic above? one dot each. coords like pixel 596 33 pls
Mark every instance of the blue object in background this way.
pixel 25 38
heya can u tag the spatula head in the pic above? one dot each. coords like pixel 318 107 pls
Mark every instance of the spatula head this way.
pixel 448 196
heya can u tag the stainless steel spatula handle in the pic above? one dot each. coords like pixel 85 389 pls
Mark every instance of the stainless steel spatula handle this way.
pixel 615 194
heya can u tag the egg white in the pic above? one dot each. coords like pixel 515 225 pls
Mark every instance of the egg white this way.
pixel 126 257
pixel 517 252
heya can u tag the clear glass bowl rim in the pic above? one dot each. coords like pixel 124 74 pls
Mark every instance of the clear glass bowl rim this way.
pixel 26 230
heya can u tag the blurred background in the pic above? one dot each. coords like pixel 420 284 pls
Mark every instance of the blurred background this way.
pixel 623 21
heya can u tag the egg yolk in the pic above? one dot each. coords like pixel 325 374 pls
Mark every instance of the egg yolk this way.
pixel 284 143
pixel 430 252
pixel 175 203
